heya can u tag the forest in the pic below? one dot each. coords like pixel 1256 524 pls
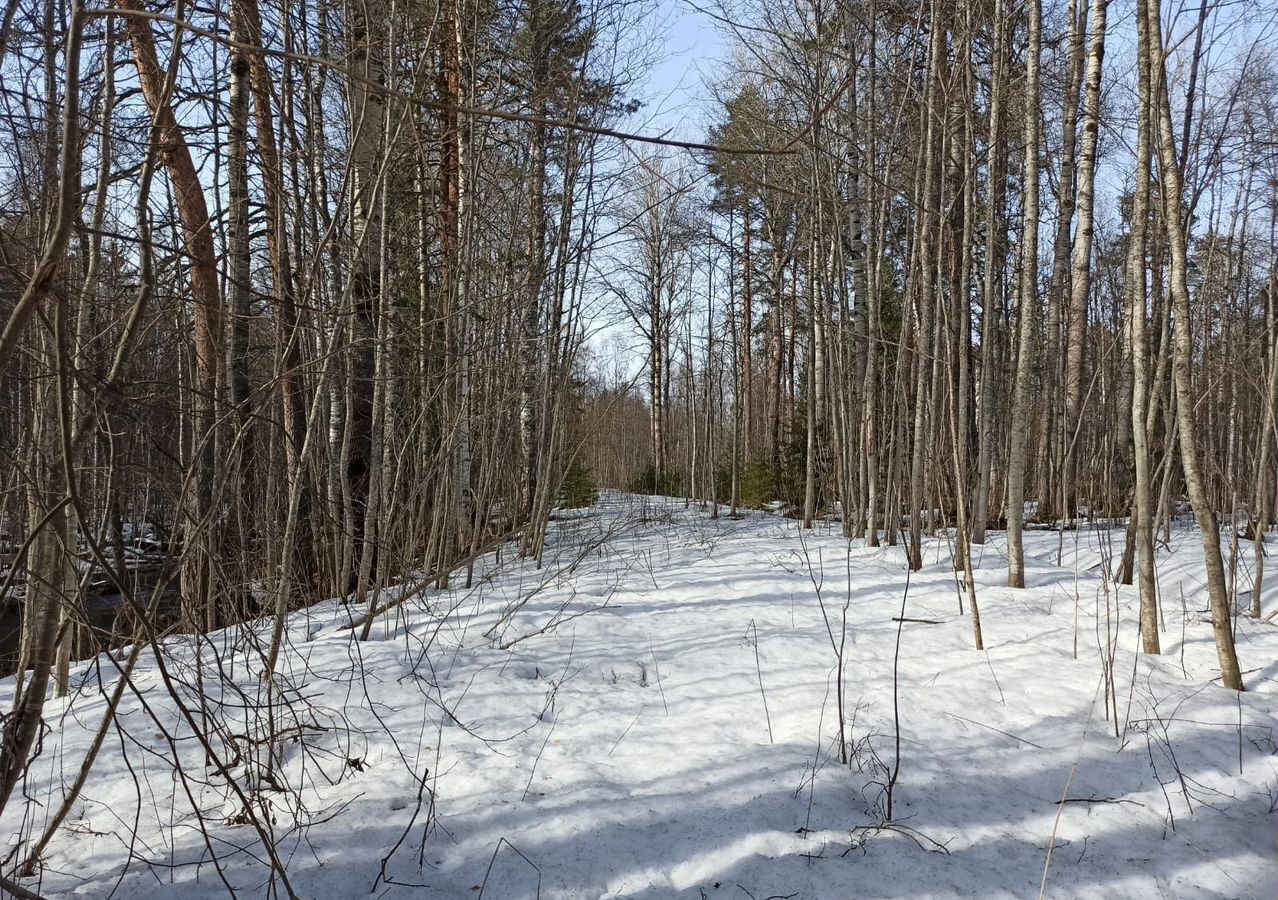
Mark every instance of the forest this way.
pixel 435 462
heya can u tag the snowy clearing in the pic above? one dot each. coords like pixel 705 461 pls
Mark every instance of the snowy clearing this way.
pixel 673 732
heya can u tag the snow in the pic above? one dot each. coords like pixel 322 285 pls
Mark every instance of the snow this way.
pixel 659 719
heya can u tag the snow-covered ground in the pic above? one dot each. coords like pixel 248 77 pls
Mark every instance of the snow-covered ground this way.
pixel 659 718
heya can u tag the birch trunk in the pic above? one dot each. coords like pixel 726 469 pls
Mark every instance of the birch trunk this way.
pixel 1183 360
pixel 1081 282
pixel 1019 426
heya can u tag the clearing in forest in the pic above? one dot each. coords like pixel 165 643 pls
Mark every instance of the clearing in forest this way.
pixel 654 712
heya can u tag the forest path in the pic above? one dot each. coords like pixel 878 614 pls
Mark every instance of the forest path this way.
pixel 661 773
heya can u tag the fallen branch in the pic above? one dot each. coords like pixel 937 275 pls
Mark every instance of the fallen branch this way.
pixel 1091 800
pixel 992 728
pixel 18 890
pixel 922 840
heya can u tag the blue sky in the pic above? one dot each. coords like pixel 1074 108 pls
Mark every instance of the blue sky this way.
pixel 675 94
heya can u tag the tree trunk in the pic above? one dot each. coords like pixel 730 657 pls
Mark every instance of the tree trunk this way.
pixel 1143 510
pixel 1081 283
pixel 1019 425
pixel 1183 360
pixel 992 282
pixel 206 303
